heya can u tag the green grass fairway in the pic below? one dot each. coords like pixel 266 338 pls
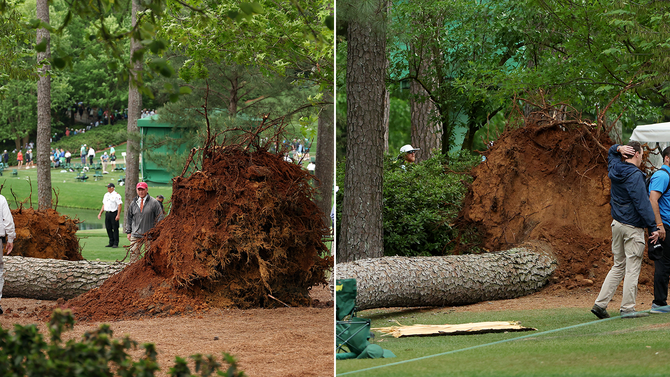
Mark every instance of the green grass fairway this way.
pixel 69 192
pixel 75 194
pixel 616 347
pixel 93 243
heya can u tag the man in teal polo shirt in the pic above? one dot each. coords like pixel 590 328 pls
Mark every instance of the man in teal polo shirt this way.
pixel 659 195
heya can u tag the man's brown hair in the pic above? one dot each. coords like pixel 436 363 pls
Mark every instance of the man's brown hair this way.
pixel 636 145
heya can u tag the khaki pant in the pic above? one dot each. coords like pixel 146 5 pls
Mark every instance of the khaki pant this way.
pixel 628 250
pixel 2 269
pixel 135 249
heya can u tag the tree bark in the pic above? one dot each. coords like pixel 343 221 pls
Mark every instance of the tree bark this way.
pixel 361 234
pixel 43 149
pixel 451 280
pixel 51 279
pixel 134 108
pixel 325 156
pixel 426 130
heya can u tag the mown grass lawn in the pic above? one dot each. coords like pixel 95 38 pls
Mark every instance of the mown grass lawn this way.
pixel 93 245
pixel 72 193
pixel 616 347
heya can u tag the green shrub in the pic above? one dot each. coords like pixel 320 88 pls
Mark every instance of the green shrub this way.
pixel 421 202
pixel 25 353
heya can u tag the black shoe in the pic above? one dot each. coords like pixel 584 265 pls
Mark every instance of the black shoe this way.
pixel 108 245
pixel 601 313
pixel 115 246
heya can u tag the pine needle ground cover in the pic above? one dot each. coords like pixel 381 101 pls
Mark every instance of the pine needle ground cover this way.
pixel 635 347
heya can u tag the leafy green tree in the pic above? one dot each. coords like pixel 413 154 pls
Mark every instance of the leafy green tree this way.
pixel 586 53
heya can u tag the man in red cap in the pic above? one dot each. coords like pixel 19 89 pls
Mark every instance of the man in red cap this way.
pixel 143 214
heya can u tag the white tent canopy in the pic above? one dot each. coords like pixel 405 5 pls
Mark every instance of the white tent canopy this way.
pixel 652 133
pixel 655 135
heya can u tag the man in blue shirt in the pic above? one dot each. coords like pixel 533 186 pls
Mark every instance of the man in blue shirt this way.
pixel 659 195
pixel 631 213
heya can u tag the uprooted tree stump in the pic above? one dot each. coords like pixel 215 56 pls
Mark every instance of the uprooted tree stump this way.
pixel 449 280
pixel 546 179
pixel 243 232
pixel 45 234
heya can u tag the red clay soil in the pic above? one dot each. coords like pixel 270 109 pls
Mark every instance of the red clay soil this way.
pixel 548 181
pixel 243 232
pixel 45 234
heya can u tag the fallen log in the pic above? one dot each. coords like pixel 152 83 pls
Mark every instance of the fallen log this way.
pixel 51 279
pixel 450 280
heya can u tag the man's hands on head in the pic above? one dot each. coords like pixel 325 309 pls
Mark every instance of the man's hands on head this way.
pixel 626 150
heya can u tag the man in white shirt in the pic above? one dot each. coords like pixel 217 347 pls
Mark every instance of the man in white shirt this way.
pixel 111 204
pixel 7 230
pixel 91 155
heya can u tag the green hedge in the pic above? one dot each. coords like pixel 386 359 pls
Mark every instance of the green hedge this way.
pixel 421 201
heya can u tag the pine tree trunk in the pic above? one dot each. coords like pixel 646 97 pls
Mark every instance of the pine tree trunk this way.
pixel 325 156
pixel 451 280
pixel 43 146
pixel 134 108
pixel 361 234
pixel 51 279
pixel 426 131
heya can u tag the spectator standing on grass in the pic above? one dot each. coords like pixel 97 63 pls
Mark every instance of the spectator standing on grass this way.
pixel 19 159
pixel 82 153
pixel 143 214
pixel 112 156
pixel 103 160
pixel 68 157
pixel 5 157
pixel 160 199
pixel 29 158
pixel 631 213
pixel 111 205
pixel 659 194
pixel 7 235
pixel 91 155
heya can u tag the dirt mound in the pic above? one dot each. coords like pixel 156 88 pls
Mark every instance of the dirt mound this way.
pixel 243 232
pixel 548 181
pixel 45 234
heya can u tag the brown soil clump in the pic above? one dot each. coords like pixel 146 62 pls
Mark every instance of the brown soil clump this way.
pixel 548 181
pixel 243 232
pixel 45 234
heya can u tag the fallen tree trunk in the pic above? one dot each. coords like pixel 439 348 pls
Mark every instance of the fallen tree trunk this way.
pixel 451 280
pixel 51 279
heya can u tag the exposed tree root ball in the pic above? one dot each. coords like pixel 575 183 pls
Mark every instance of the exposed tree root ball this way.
pixel 45 234
pixel 548 181
pixel 243 232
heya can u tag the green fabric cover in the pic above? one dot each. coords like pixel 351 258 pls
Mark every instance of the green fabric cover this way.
pixel 353 334
pixel 345 297
pixel 345 355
